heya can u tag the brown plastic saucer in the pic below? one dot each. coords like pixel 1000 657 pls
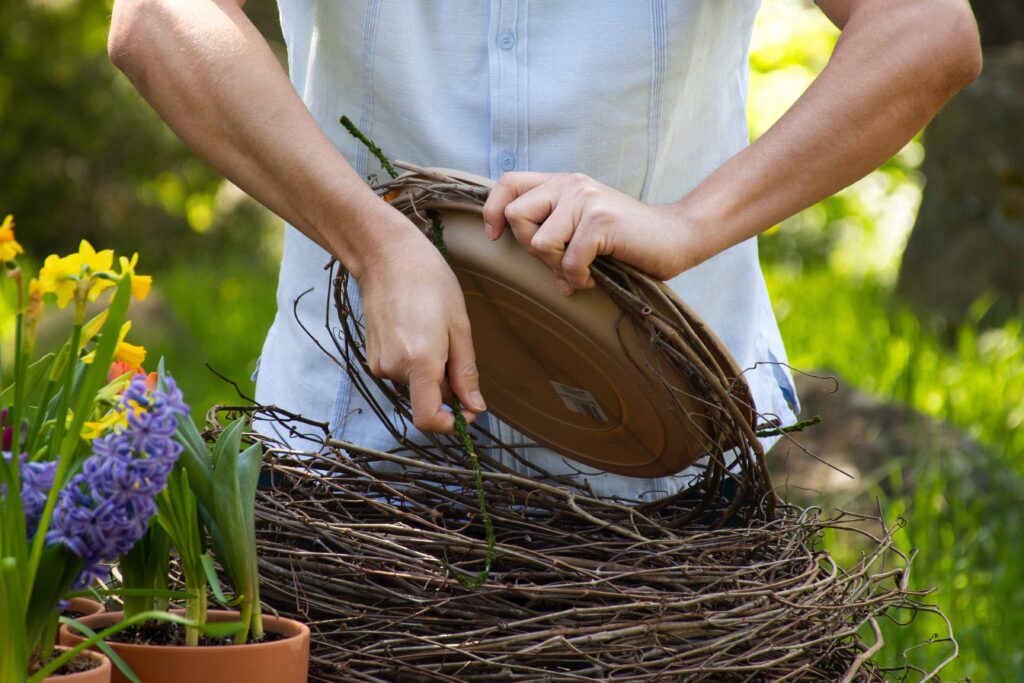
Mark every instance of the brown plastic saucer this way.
pixel 574 373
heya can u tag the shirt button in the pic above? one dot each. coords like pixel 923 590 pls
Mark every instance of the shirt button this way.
pixel 506 40
pixel 507 161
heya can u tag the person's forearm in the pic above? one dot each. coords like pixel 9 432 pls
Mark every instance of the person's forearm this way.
pixel 894 66
pixel 213 78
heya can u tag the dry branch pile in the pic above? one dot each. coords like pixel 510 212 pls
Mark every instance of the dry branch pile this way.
pixel 718 583
pixel 581 589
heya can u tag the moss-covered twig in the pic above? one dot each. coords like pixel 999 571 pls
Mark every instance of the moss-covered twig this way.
pixel 461 428
pixel 370 145
pixel 789 429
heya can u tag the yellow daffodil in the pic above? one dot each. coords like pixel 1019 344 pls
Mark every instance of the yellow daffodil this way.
pixel 93 327
pixel 121 373
pixel 97 261
pixel 98 265
pixel 140 283
pixel 94 430
pixel 60 276
pixel 9 247
pixel 131 355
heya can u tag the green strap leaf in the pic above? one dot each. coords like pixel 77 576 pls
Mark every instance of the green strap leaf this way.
pixel 34 374
pixel 14 652
pixel 214 581
pixel 115 658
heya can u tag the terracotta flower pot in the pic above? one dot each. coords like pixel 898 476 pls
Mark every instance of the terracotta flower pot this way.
pixel 97 674
pixel 85 607
pixel 279 661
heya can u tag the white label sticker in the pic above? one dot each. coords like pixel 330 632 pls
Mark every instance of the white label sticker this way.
pixel 579 401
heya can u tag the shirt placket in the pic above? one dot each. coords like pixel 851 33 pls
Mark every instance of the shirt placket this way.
pixel 508 86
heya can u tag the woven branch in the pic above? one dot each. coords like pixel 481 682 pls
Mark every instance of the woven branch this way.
pixel 580 589
pixel 720 582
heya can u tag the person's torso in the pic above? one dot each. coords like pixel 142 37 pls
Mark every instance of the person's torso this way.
pixel 647 97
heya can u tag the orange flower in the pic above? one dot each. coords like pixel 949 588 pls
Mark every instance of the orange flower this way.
pixel 9 247
pixel 119 368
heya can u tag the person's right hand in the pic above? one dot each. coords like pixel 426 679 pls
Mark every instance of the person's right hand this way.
pixel 417 330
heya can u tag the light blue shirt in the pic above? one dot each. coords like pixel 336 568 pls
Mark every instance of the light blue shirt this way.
pixel 647 97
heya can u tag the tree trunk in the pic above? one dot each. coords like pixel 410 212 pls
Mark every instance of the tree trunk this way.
pixel 968 242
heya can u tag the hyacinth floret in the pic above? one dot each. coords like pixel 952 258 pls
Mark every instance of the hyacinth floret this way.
pixel 105 508
pixel 36 481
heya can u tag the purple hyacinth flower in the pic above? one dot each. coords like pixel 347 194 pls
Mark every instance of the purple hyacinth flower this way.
pixel 105 509
pixel 36 481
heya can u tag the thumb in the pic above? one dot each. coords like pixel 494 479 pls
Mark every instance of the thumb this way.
pixel 463 375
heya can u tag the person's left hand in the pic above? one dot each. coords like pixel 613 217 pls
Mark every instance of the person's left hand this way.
pixel 569 219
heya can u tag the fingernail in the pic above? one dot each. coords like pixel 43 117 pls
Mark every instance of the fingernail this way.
pixel 477 399
pixel 564 287
pixel 489 231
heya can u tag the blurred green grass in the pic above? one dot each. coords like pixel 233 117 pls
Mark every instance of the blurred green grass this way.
pixel 222 309
pixel 964 520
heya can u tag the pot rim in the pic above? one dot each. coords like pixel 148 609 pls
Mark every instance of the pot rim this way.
pixel 301 631
pixel 100 608
pixel 105 665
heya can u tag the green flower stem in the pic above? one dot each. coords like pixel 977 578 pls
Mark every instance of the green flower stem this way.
pixel 146 566
pixel 14 652
pixel 178 517
pixel 19 361
pixel 195 612
pixel 256 621
pixel 64 463
pixel 40 418
pixel 95 375
pixel 245 612
pixel 19 382
pixel 59 568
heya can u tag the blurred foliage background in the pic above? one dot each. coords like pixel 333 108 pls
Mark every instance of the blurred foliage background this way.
pixel 84 157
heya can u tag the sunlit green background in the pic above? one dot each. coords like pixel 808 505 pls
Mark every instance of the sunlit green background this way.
pixel 81 155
